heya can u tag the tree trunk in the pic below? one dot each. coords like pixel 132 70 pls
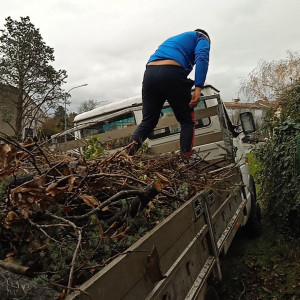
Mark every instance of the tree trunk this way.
pixel 19 115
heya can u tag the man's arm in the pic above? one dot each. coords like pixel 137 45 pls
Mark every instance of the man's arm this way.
pixel 201 61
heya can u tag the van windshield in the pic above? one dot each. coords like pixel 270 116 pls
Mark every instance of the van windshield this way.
pixel 113 123
pixel 168 112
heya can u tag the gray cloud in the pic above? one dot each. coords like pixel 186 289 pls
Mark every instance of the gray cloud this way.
pixel 107 43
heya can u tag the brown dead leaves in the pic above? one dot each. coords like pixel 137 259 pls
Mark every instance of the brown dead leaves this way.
pixel 163 179
pixel 9 159
pixel 33 196
pixel 89 200
pixel 114 232
pixel 68 200
pixel 74 181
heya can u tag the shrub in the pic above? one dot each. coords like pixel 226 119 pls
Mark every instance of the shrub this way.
pixel 279 178
pixel 94 148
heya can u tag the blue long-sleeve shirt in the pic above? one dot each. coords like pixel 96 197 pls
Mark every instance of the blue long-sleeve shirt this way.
pixel 189 49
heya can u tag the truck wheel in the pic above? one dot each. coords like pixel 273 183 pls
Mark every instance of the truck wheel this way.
pixel 211 294
pixel 253 227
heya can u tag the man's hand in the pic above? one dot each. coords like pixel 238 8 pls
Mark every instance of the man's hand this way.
pixel 195 97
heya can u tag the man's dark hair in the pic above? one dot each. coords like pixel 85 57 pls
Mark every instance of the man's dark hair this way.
pixel 204 32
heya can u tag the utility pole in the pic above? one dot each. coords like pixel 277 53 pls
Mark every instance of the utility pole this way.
pixel 75 87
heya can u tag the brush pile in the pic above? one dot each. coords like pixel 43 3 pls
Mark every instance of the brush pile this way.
pixel 63 217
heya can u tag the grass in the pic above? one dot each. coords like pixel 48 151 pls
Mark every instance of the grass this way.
pixel 263 268
pixel 254 167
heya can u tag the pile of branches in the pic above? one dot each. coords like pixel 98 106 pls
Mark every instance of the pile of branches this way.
pixel 64 217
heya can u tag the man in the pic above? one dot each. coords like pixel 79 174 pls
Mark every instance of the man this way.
pixel 165 78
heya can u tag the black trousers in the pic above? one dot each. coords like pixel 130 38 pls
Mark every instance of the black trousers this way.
pixel 161 83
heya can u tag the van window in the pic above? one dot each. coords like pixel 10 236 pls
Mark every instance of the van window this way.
pixel 114 123
pixel 168 112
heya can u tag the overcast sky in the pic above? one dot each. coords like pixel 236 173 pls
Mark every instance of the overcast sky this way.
pixel 106 44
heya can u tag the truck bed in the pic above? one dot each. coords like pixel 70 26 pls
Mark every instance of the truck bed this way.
pixel 176 258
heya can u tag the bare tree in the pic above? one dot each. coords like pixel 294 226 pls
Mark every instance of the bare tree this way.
pixel 87 105
pixel 269 79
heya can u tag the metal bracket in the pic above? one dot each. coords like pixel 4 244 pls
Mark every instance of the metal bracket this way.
pixel 198 207
pixel 211 231
pixel 210 196
pixel 198 204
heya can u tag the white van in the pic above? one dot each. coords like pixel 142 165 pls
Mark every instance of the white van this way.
pixel 114 123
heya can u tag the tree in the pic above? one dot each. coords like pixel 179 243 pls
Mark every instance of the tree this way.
pixel 60 113
pixel 269 79
pixel 56 124
pixel 50 127
pixel 289 102
pixel 87 105
pixel 71 117
pixel 25 64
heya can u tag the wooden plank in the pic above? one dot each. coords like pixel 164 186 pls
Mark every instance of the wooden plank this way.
pixel 70 145
pixel 104 137
pixel 199 140
pixel 199 114
pixel 118 133
pixel 207 112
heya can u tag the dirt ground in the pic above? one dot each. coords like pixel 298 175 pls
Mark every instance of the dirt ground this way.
pixel 267 267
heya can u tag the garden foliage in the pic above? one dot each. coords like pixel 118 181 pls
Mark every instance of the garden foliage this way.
pixel 279 176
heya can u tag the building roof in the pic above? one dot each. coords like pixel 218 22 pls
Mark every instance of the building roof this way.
pixel 260 104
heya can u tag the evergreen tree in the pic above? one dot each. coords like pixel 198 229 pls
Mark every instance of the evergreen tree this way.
pixel 25 64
